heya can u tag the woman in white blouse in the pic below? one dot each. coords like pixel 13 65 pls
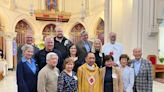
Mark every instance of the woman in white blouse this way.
pixel 127 74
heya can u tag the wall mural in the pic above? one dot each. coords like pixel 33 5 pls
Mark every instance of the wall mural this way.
pixel 75 32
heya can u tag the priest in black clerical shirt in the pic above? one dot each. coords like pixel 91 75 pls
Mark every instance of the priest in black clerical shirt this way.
pixel 49 47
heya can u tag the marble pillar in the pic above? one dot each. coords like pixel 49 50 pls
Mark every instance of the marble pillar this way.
pixel 144 23
pixel 9 48
pixel 108 19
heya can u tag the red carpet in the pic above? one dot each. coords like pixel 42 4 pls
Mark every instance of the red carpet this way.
pixel 161 80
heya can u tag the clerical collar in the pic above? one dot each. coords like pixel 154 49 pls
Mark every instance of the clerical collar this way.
pixel 91 67
pixel 48 50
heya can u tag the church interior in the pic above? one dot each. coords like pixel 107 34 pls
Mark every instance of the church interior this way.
pixel 137 23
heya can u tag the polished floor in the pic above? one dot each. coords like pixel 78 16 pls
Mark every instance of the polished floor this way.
pixel 8 84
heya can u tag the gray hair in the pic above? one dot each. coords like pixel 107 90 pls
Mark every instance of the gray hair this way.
pixel 83 32
pixel 47 38
pixel 26 46
pixel 49 55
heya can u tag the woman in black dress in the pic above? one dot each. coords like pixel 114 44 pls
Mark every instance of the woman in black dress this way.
pixel 97 50
pixel 73 54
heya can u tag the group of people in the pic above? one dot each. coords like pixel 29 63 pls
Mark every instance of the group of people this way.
pixel 83 67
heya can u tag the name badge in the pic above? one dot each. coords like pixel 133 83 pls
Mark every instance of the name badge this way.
pixel 114 76
pixel 75 77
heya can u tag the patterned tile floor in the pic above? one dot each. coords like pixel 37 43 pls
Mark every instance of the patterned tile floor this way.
pixel 8 84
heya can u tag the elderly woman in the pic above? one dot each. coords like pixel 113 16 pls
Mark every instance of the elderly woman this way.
pixel 67 80
pixel 27 71
pixel 110 76
pixel 127 74
pixel 97 50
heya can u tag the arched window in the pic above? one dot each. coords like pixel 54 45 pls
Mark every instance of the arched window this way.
pixel 49 30
pixel 22 28
pixel 75 32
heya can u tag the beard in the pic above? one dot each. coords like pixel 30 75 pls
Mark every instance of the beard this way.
pixel 59 37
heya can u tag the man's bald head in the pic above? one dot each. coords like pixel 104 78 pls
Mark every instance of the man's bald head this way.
pixel 59 32
pixel 112 37
pixel 137 53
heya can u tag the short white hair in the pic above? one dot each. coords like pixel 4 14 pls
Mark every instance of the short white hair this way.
pixel 26 46
pixel 48 38
pixel 50 55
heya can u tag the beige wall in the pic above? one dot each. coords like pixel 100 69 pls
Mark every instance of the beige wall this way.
pixel 21 11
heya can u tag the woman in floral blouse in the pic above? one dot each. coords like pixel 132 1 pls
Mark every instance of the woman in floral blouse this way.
pixel 67 80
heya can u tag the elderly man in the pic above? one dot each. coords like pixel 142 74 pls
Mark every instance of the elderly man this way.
pixel 29 39
pixel 84 46
pixel 89 75
pixel 113 48
pixel 49 47
pixel 48 76
pixel 143 72
pixel 61 43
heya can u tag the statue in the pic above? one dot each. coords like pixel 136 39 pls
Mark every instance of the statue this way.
pixel 51 4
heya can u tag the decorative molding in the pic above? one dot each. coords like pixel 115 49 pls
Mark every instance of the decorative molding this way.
pixel 160 20
pixel 10 35
pixel 155 28
pixel 154 31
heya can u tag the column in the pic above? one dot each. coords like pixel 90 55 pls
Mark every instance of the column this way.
pixel 12 4
pixel 144 22
pixel 9 48
pixel 108 19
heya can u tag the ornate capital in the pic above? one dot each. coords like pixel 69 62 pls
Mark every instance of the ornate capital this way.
pixel 160 20
pixel 154 31
pixel 10 35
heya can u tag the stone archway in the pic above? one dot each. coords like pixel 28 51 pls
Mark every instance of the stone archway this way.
pixel 22 28
pixel 49 30
pixel 75 32
pixel 100 30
